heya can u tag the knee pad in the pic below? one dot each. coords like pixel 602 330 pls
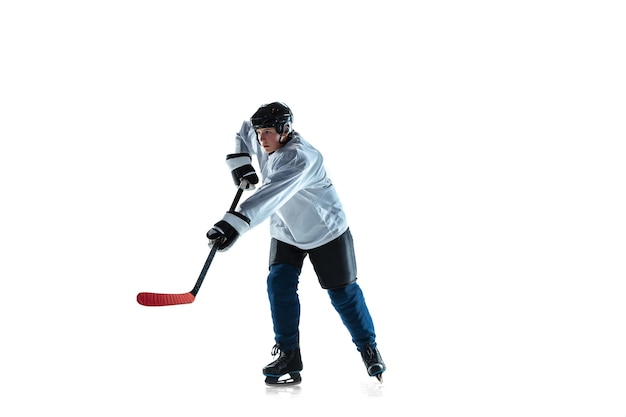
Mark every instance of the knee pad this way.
pixel 282 277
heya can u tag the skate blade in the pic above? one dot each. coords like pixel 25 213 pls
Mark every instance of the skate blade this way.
pixel 292 378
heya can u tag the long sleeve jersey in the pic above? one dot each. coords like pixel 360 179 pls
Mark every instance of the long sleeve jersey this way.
pixel 295 193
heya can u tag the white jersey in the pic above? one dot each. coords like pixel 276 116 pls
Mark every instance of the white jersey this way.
pixel 295 193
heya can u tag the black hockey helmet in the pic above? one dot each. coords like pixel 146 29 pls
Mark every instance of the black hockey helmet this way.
pixel 276 115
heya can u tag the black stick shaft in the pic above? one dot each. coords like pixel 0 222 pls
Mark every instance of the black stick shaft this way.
pixel 209 258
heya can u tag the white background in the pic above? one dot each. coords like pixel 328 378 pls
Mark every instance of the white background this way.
pixel 478 150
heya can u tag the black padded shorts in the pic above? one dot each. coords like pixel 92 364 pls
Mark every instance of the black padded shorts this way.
pixel 334 263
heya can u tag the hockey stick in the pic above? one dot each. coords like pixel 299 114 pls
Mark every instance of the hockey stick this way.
pixel 152 299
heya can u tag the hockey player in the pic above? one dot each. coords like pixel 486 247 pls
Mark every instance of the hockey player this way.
pixel 306 218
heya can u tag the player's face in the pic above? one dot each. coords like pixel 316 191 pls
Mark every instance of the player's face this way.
pixel 269 139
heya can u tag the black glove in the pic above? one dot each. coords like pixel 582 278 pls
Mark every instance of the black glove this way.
pixel 240 165
pixel 226 231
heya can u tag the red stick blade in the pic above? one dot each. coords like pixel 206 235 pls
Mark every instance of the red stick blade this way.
pixel 152 299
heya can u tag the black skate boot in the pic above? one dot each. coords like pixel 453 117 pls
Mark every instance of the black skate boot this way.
pixel 373 362
pixel 288 362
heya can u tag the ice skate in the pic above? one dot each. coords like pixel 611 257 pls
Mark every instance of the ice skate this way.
pixel 373 362
pixel 286 369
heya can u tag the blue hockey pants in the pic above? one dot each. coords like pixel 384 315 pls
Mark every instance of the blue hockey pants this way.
pixel 348 301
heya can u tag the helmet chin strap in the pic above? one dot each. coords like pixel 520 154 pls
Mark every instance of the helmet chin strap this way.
pixel 286 135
